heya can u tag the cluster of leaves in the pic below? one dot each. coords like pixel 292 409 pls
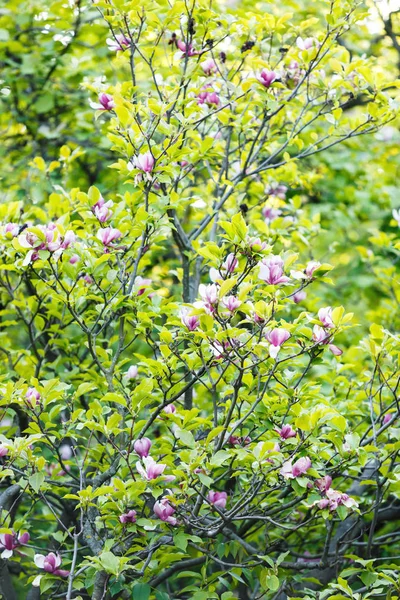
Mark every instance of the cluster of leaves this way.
pixel 183 415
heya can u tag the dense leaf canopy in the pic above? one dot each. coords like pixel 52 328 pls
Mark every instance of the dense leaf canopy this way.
pixel 199 300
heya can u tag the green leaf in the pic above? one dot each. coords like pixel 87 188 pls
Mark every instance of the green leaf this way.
pixel 35 481
pixel 141 591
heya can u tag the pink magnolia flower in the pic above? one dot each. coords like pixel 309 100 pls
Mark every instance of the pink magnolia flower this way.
pixel 320 335
pixel 277 190
pixel 142 447
pixel 108 235
pixel 235 440
pixel 228 267
pixel 299 296
pixel 231 303
pixel 312 266
pixel 50 564
pixel 74 259
pixel 334 499
pixel 170 409
pixel 267 78
pixel 209 98
pixel 10 541
pixel 32 395
pixel 3 450
pixel 305 44
pixel 11 230
pixel 276 338
pixel 387 418
pixel 140 284
pixel 218 499
pixel 144 162
pixel 325 316
pixel 286 432
pixel 271 270
pixel 65 451
pixel 324 483
pixel 270 214
pixel 187 49
pixel 102 209
pixel 209 295
pixel 301 466
pixel 256 245
pixel 208 66
pixel 190 321
pixel 152 470
pixel 164 511
pixel 129 517
pixel 132 372
pixel 106 102
pixel 119 44
pixel 335 350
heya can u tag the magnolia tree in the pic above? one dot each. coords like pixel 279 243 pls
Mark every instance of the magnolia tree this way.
pixel 178 420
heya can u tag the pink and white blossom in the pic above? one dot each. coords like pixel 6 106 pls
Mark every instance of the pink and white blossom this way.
pixel 32 395
pixel 170 409
pixel 108 235
pixel 164 511
pixel 256 245
pixel 141 284
pixel 50 564
pixel 333 499
pixel 142 447
pixel 190 321
pixel 209 67
pixel 276 337
pixel 228 267
pixel 11 230
pixel 312 266
pixel 271 270
pixel 306 43
pixel 132 372
pixel 105 102
pixel 324 483
pixel 325 316
pixel 335 350
pixel 277 190
pixel 387 418
pixel 10 541
pixel 218 499
pixel 119 44
pixel 209 98
pixel 144 162
pixel 102 209
pixel 209 296
pixel 128 517
pixel 3 450
pixel 231 303
pixel 286 432
pixel 270 214
pixel 151 469
pixel 187 49
pixel 267 78
pixel 299 296
pixel 320 335
pixel 300 467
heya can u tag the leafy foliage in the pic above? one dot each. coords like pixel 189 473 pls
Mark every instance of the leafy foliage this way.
pixel 199 391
